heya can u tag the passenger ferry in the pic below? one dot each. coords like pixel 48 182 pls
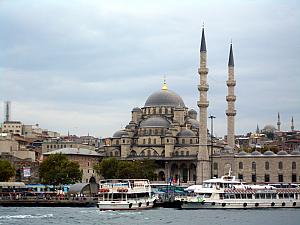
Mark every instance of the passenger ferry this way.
pixel 125 194
pixel 228 192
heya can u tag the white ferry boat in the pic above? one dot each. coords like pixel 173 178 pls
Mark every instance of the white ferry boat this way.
pixel 228 192
pixel 125 194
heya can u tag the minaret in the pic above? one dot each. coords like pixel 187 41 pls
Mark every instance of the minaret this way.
pixel 257 129
pixel 292 124
pixel 278 122
pixel 203 164
pixel 230 98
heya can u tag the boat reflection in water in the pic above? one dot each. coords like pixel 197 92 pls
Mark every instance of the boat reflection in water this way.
pixel 229 192
pixel 125 194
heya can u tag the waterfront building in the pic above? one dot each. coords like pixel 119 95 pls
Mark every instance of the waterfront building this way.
pixel 166 130
pixel 86 159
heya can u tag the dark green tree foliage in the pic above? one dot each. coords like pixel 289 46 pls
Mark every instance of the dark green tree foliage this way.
pixel 111 168
pixel 6 170
pixel 58 169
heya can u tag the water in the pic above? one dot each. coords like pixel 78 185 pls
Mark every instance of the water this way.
pixel 90 216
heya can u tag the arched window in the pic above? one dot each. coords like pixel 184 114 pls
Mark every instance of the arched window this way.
pixel 117 142
pixel 187 153
pixel 149 141
pixel 182 153
pixel 241 166
pixel 144 141
pixel 293 165
pixel 215 166
pixel 191 141
pixel 183 141
pixel 280 165
pixel 267 165
pixel 253 165
pixel 154 141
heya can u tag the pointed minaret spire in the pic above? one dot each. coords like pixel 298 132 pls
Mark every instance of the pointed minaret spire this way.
pixel 231 61
pixel 203 163
pixel 257 129
pixel 278 122
pixel 292 125
pixel 230 98
pixel 203 43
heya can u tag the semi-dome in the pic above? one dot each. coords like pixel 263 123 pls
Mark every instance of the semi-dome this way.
pixel 120 133
pixel 255 153
pixel 193 122
pixel 282 152
pixel 192 114
pixel 186 133
pixel 269 153
pixel 155 122
pixel 164 98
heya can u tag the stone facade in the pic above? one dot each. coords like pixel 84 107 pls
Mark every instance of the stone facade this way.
pixel 165 130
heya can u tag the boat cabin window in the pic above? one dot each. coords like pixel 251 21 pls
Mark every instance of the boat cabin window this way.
pixel 249 196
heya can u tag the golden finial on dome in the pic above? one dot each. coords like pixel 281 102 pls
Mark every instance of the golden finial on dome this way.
pixel 165 87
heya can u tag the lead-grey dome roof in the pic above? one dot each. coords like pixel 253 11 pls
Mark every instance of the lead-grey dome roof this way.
pixel 136 109
pixel 282 152
pixel 155 122
pixel 120 133
pixel 186 133
pixel 242 153
pixel 193 122
pixel 256 153
pixel 269 153
pixel 164 98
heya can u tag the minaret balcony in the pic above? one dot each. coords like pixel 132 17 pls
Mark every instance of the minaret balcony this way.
pixel 230 112
pixel 231 83
pixel 203 104
pixel 230 98
pixel 202 70
pixel 203 87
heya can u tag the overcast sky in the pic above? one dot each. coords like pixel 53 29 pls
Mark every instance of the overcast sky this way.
pixel 82 65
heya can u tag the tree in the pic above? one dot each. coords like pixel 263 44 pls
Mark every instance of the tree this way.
pixel 58 169
pixel 6 170
pixel 111 168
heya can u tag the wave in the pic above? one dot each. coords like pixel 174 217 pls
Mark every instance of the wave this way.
pixel 38 216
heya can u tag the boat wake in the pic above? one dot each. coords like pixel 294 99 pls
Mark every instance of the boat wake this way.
pixel 38 216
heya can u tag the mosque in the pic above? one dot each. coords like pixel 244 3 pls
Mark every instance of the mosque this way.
pixel 173 135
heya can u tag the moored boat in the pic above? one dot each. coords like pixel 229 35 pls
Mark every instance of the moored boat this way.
pixel 125 194
pixel 228 192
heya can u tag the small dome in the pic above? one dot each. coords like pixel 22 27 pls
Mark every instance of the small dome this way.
pixel 164 98
pixel 136 109
pixel 255 153
pixel 120 133
pixel 296 151
pixel 155 122
pixel 193 122
pixel 242 153
pixel 269 153
pixel 227 148
pixel 192 114
pixel 186 133
pixel 269 128
pixel 282 152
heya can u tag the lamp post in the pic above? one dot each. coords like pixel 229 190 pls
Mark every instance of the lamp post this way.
pixel 211 117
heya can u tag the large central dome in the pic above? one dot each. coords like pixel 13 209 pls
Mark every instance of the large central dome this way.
pixel 164 98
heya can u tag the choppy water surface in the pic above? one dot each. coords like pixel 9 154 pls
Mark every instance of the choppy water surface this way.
pixel 89 216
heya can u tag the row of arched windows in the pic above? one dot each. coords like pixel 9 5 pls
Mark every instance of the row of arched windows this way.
pixel 267 165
